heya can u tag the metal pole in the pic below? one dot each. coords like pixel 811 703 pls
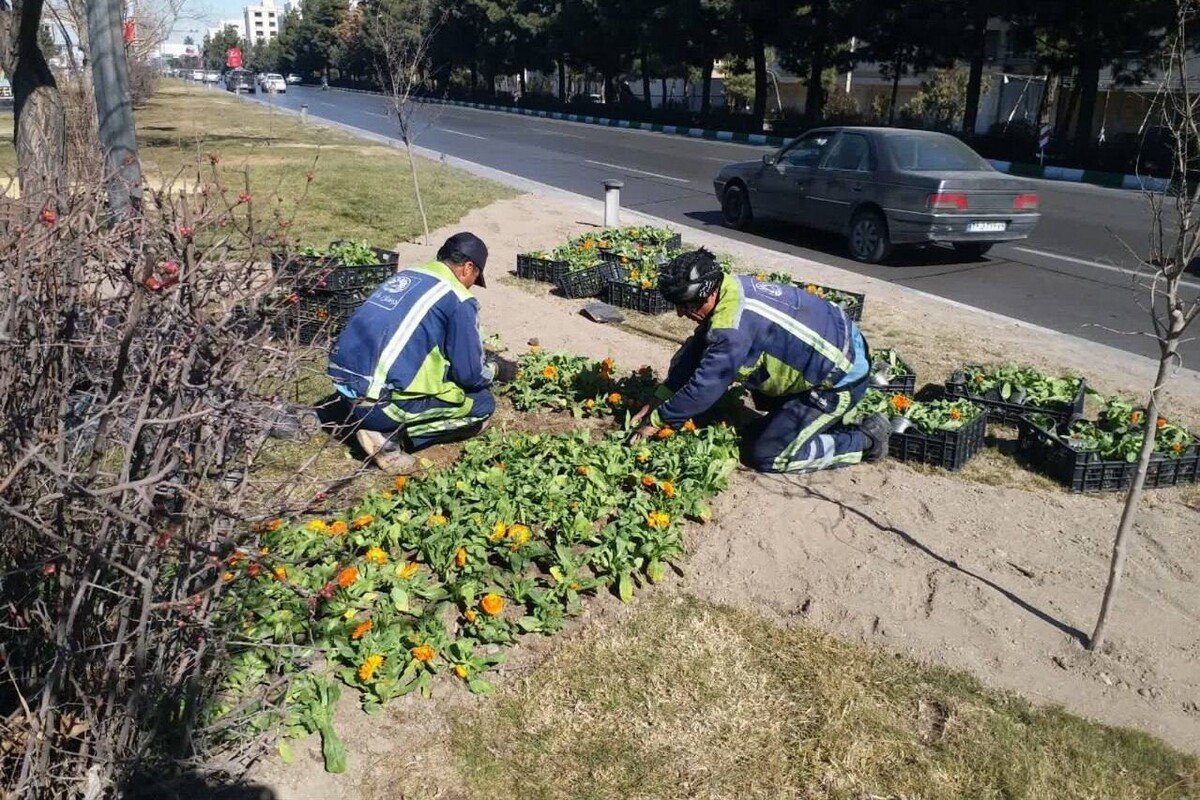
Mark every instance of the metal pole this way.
pixel 114 107
pixel 612 203
pixel 303 113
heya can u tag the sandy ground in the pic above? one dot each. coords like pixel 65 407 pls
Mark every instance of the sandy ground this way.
pixel 1002 578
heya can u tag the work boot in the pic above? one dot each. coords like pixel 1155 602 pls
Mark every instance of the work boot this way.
pixel 389 456
pixel 877 431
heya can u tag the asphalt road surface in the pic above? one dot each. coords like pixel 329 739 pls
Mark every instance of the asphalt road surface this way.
pixel 1070 276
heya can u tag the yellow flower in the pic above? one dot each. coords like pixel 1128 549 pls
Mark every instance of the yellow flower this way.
pixel 461 671
pixel 492 604
pixel 658 519
pixel 520 374
pixel 227 577
pixel 535 348
pixel 436 519
pixel 280 573
pixel 406 571
pixel 401 482
pixel 634 274
pixel 368 667
pixel 376 556
pixel 460 558
pixel 668 488
pixel 424 653
pixel 498 531
pixel 386 494
pixel 811 288
pixel 645 284
pixel 264 551
pixel 520 536
pixel 363 521
pixel 338 528
pixel 361 630
pixel 760 276
pixel 643 456
pixel 318 526
pixel 689 426
pixel 351 613
pixel 549 372
pixel 470 615
pixel 589 404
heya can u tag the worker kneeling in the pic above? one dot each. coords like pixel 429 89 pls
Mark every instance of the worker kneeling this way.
pixel 805 363
pixel 410 361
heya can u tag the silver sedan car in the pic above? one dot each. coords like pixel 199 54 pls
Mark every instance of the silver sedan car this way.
pixel 881 187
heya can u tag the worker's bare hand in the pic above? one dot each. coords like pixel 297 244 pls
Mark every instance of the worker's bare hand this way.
pixel 643 433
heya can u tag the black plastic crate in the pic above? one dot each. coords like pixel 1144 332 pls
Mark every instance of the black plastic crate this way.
pixel 635 298
pixel 316 316
pixel 999 410
pixel 1088 472
pixel 947 449
pixel 853 311
pixel 587 282
pixel 538 268
pixel 902 383
pixel 308 272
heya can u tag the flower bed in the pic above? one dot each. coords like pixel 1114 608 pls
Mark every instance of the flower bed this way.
pixel 1101 455
pixel 851 302
pixel 944 433
pixel 1010 393
pixel 891 374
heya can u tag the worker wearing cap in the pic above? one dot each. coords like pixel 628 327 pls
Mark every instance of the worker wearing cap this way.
pixel 410 361
pixel 805 363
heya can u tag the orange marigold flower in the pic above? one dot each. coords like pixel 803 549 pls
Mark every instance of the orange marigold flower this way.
pixel 1135 417
pixel 689 426
pixel 460 558
pixel 436 519
pixel 549 372
pixel 955 414
pixel 812 288
pixel 492 604
pixel 470 615
pixel 401 482
pixel 363 521
pixel 280 573
pixel 255 569
pixel 614 398
pixel 424 653
pixel 338 528
pixel 668 488
pixel 406 571
pixel 648 481
pixel 376 555
pixel 664 433
pixel 347 577
pixel 462 671
pixel 317 526
pixel 1177 448
pixel 581 471
pixel 227 577
pixel 634 274
pixel 1160 423
pixel 645 284
pixel 235 558
pixel 361 630
pixel 900 403
pixel 368 667
pixel 608 364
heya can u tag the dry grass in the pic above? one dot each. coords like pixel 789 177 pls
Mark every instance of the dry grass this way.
pixel 359 190
pixel 689 700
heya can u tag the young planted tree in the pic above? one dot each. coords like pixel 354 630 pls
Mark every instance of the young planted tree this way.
pixel 402 32
pixel 1174 245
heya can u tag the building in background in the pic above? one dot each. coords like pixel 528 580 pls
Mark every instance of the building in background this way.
pixel 262 22
pixel 240 24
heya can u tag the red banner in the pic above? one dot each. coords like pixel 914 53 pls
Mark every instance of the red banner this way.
pixel 233 58
pixel 130 31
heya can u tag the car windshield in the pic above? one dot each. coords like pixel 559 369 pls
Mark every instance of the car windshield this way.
pixel 933 154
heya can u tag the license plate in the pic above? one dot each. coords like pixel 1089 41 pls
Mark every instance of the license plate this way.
pixel 986 227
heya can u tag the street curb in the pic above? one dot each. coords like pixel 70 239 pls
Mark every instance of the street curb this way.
pixel 545 190
pixel 1107 180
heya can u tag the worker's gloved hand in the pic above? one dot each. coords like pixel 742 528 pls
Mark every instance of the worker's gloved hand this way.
pixel 504 371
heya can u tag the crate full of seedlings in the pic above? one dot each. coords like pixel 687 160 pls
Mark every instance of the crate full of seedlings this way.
pixel 1010 393
pixel 944 433
pixel 851 302
pixel 890 374
pixel 343 266
pixel 1101 455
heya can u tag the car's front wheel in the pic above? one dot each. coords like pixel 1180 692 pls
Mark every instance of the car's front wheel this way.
pixel 869 240
pixel 972 251
pixel 735 207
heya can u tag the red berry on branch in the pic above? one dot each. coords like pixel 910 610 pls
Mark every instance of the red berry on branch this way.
pixel 48 216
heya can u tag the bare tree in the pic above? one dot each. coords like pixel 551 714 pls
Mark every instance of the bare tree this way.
pixel 1174 245
pixel 153 21
pixel 402 32
pixel 40 126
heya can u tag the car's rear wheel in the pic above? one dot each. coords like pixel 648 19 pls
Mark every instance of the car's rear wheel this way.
pixel 869 240
pixel 972 251
pixel 735 207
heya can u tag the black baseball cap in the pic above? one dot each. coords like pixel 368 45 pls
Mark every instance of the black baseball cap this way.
pixel 462 247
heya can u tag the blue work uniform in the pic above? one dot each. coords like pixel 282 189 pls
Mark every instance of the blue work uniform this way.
pixel 805 363
pixel 411 358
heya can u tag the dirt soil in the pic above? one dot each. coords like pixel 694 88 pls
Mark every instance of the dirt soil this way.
pixel 994 572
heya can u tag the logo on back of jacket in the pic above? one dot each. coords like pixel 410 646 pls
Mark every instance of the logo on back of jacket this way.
pixel 769 289
pixel 391 292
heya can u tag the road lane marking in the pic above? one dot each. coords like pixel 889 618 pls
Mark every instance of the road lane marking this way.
pixel 460 133
pixel 1129 273
pixel 636 171
pixel 557 133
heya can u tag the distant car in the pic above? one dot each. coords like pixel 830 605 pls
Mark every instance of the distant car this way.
pixel 212 76
pixel 274 82
pixel 198 75
pixel 881 187
pixel 587 99
pixel 240 80
pixel 293 78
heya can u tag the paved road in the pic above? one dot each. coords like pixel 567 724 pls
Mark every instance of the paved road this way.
pixel 1067 276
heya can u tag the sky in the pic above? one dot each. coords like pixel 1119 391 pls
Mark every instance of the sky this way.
pixel 204 14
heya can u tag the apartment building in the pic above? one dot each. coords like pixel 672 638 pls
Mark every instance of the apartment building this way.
pixel 262 23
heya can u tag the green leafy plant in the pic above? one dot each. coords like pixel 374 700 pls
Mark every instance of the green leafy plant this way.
pixel 350 254
pixel 1019 385
pixel 835 296
pixel 1116 434
pixel 929 417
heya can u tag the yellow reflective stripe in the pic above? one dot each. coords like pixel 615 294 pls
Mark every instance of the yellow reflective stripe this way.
pixel 784 459
pixel 440 271
pixel 846 458
pixel 395 346
pixel 801 332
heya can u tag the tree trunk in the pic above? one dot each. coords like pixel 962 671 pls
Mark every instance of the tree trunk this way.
pixel 1063 124
pixel 39 119
pixel 663 103
pixel 706 90
pixel 897 68
pixel 1120 554
pixel 814 101
pixel 760 80
pixel 562 80
pixel 474 77
pixel 975 81
pixel 521 74
pixel 114 108
pixel 646 80
pixel 608 89
pixel 1089 91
